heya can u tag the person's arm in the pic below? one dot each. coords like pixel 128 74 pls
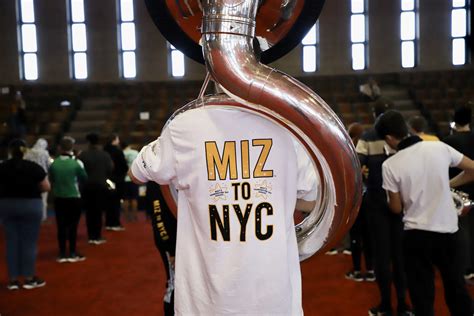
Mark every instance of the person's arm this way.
pixel 467 165
pixel 395 202
pixel 134 179
pixel 45 186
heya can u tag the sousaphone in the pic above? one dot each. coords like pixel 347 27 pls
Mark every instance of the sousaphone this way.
pixel 220 34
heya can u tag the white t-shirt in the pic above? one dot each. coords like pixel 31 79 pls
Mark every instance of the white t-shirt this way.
pixel 421 174
pixel 231 167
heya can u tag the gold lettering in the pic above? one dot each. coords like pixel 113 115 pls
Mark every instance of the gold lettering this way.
pixel 266 144
pixel 227 162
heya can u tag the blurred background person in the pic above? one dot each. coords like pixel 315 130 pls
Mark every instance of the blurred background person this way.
pixel 120 168
pixel 65 174
pixel 386 228
pixel 98 165
pixel 462 139
pixel 130 198
pixel 418 126
pixel 359 233
pixel 21 184
pixel 40 155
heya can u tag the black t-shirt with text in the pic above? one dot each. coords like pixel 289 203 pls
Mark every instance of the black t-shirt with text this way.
pixel 20 179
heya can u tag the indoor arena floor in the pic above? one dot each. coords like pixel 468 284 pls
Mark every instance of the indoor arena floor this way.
pixel 125 277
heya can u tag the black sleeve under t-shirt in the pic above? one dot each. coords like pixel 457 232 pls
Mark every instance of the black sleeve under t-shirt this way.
pixel 20 179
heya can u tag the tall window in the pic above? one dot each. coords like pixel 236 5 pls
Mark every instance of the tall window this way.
pixel 408 33
pixel 77 39
pixel 127 39
pixel 177 62
pixel 310 49
pixel 359 34
pixel 459 26
pixel 28 45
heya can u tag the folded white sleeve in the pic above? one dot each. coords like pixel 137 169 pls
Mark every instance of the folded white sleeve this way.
pixel 308 180
pixel 156 161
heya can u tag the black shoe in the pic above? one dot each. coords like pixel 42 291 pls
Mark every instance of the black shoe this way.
pixel 376 311
pixel 34 283
pixel 13 285
pixel 355 276
pixel 76 257
pixel 406 312
pixel 370 276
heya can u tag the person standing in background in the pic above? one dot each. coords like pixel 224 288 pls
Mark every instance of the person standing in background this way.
pixel 65 174
pixel 21 184
pixel 164 227
pixel 417 183
pixel 386 227
pixel 130 198
pixel 359 232
pixel 98 165
pixel 418 126
pixel 120 168
pixel 462 139
pixel 40 155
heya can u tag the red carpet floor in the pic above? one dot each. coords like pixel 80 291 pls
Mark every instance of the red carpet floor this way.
pixel 125 277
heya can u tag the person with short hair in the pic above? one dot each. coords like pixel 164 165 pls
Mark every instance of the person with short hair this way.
pixel 385 227
pixel 359 233
pixel 98 165
pixel 462 139
pixel 417 183
pixel 21 184
pixel 66 173
pixel 418 126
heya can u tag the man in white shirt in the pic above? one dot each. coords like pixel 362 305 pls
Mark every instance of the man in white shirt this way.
pixel 238 180
pixel 417 182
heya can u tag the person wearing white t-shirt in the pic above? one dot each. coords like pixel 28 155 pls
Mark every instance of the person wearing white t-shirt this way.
pixel 417 182
pixel 238 179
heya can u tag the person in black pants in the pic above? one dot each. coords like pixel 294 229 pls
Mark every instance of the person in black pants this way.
pixel 114 203
pixel 98 165
pixel 164 232
pixel 462 139
pixel 417 183
pixel 65 174
pixel 359 233
pixel 385 228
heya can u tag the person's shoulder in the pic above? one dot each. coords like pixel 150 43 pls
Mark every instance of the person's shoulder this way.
pixel 370 135
pixel 32 166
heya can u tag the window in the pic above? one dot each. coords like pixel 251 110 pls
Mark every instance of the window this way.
pixel 28 45
pixel 77 39
pixel 127 39
pixel 359 34
pixel 310 49
pixel 177 62
pixel 408 33
pixel 459 27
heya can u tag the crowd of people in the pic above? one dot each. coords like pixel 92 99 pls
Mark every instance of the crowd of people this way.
pixel 94 180
pixel 407 222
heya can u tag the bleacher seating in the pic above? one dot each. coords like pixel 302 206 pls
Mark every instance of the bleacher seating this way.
pixel 115 108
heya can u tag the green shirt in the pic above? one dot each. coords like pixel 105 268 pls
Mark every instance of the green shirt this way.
pixel 65 174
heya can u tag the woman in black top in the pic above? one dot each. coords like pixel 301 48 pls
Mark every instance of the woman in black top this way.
pixel 21 184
